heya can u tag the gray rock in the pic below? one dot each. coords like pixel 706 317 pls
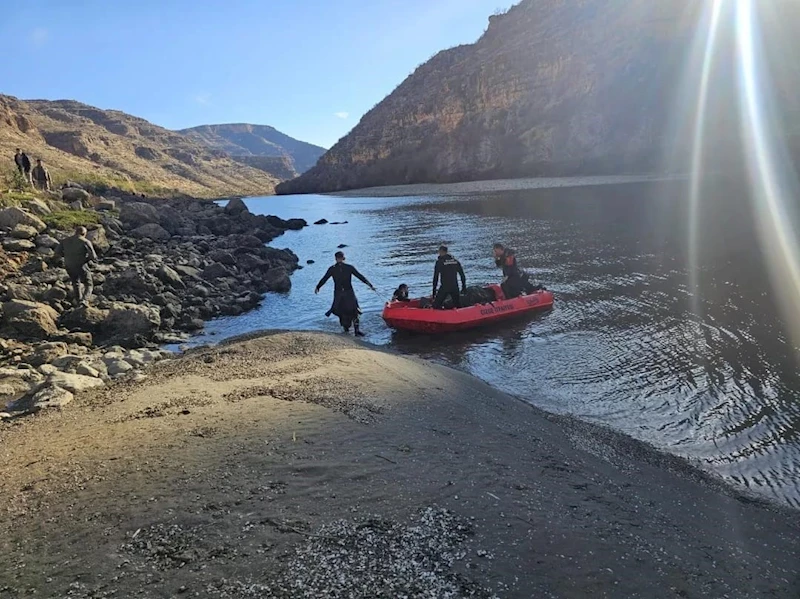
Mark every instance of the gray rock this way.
pixel 99 239
pixel 24 232
pixel 126 321
pixel 152 231
pixel 46 241
pixel 18 245
pixel 73 382
pixel 55 294
pixel 29 319
pixel 77 338
pixel 105 205
pixel 77 205
pixel 45 252
pixel 74 194
pixel 136 214
pixel 11 217
pixel 38 207
pixel 278 280
pixel 47 369
pixel 295 224
pixel 52 396
pixel 169 277
pixel 47 353
pixel 13 388
pixel 215 271
pixel 236 206
pixel 68 362
pixel 322 221
pixel 222 257
pixel 118 368
pixel 86 370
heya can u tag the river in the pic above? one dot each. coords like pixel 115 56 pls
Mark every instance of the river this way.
pixel 701 366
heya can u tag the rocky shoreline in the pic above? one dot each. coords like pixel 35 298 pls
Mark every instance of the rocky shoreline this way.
pixel 164 267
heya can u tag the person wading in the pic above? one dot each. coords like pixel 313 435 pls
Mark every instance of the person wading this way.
pixel 78 252
pixel 41 177
pixel 448 269
pixel 345 302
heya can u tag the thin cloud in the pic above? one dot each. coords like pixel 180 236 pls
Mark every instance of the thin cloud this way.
pixel 39 36
pixel 203 99
pixel 341 115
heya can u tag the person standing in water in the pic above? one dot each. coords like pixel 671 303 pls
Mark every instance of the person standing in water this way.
pixel 448 269
pixel 345 302
pixel 78 252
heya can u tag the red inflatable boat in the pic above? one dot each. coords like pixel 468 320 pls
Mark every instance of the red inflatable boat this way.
pixel 408 316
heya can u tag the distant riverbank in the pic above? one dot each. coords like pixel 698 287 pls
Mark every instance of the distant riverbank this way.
pixel 294 464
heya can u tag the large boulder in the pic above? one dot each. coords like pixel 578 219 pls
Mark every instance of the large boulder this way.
pixel 85 318
pixel 51 396
pixel 169 277
pixel 236 206
pixel 278 280
pixel 46 241
pixel 128 321
pixel 18 245
pixel 215 271
pixel 99 239
pixel 13 388
pixel 29 320
pixel 152 231
pixel 73 382
pixel 74 194
pixel 131 282
pixel 47 352
pixel 13 216
pixel 222 256
pixel 104 205
pixel 295 224
pixel 136 214
pixel 38 207
pixel 24 232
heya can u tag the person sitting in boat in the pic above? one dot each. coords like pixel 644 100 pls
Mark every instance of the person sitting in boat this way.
pixel 448 269
pixel 515 281
pixel 345 302
pixel 401 294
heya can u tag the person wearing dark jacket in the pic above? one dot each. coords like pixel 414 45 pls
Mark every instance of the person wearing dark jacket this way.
pixel 41 177
pixel 78 252
pixel 26 168
pixel 401 294
pixel 18 162
pixel 345 302
pixel 448 269
pixel 514 280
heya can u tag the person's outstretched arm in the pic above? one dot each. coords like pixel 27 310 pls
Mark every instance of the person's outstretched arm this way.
pixel 324 279
pixel 361 278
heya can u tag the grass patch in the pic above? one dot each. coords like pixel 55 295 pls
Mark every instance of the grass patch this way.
pixel 69 219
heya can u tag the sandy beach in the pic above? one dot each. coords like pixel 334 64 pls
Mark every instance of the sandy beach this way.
pixel 308 465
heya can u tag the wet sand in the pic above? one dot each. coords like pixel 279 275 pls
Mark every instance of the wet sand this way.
pixel 307 465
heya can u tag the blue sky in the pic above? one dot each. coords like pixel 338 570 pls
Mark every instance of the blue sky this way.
pixel 310 68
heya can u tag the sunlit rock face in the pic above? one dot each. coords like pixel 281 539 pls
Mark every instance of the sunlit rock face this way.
pixel 560 87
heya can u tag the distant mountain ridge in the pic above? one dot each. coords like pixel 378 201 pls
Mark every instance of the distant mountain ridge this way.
pixel 114 148
pixel 563 88
pixel 243 140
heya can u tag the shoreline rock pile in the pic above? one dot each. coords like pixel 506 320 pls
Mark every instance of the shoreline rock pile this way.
pixel 164 267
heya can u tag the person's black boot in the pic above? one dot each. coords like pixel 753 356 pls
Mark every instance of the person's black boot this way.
pixel 358 332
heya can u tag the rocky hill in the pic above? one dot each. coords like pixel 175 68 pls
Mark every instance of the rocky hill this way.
pixel 553 88
pixel 112 148
pixel 246 141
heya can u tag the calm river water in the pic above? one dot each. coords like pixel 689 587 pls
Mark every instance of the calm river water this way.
pixel 707 372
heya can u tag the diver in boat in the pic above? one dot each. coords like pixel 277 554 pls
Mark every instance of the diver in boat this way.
pixel 448 269
pixel 401 294
pixel 345 303
pixel 515 281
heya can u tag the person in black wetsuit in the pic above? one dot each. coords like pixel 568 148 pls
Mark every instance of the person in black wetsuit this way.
pixel 514 280
pixel 401 294
pixel 448 269
pixel 345 303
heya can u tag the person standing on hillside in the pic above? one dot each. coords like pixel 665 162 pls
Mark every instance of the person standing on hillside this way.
pixel 78 252
pixel 448 269
pixel 18 162
pixel 26 168
pixel 41 177
pixel 345 302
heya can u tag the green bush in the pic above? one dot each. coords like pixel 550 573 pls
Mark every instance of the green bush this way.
pixel 69 219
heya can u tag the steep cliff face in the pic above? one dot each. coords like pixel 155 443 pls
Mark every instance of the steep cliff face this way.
pixel 553 87
pixel 106 146
pixel 242 139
